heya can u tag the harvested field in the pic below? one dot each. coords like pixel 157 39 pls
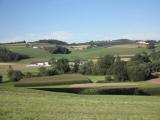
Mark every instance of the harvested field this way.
pixel 127 46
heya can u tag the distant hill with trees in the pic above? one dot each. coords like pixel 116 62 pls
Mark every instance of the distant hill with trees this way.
pixel 107 42
pixel 18 42
pixel 52 41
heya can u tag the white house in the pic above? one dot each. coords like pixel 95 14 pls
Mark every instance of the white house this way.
pixel 142 42
pixel 35 47
pixel 39 64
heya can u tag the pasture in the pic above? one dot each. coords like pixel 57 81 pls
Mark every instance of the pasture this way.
pixel 27 104
pixel 39 54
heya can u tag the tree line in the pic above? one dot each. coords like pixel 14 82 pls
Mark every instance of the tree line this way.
pixel 6 55
pixel 139 68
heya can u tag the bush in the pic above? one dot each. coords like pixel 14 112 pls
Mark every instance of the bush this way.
pixel 15 75
pixel 108 78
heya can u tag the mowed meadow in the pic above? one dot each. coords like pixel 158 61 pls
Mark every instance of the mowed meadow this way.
pixel 28 104
pixel 39 98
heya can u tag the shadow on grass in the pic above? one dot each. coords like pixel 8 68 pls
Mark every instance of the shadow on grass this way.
pixel 99 91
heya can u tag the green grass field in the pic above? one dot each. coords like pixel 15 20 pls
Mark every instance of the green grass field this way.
pixel 96 78
pixel 53 80
pixel 28 104
pixel 24 103
pixel 42 55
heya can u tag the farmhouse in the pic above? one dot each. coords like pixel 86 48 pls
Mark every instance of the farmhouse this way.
pixel 39 64
pixel 142 42
pixel 35 47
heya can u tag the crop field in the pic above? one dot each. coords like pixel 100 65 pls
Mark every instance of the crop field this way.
pixel 18 103
pixel 53 80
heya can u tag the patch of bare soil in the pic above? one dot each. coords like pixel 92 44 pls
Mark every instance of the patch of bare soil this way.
pixel 155 81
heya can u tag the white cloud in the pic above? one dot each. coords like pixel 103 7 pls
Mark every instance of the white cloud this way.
pixel 134 36
pixel 139 36
pixel 66 36
pixel 60 35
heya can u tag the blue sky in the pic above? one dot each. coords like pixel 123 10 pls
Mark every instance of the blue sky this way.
pixel 79 20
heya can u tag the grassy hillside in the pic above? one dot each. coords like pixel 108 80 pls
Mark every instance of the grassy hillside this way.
pixel 53 80
pixel 41 54
pixel 27 104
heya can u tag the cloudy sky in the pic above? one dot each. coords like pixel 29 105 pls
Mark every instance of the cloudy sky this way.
pixel 79 20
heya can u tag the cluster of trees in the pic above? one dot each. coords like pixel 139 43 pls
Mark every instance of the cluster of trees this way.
pixel 16 42
pixel 58 50
pixel 139 68
pixel 59 66
pixel 7 55
pixel 52 41
pixel 14 75
pixel 106 42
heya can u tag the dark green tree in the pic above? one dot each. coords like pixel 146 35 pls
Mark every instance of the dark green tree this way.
pixel 141 58
pixel 155 56
pixel 151 46
pixel 139 73
pixel 62 65
pixel 87 68
pixel 76 66
pixel 105 62
pixel 119 70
